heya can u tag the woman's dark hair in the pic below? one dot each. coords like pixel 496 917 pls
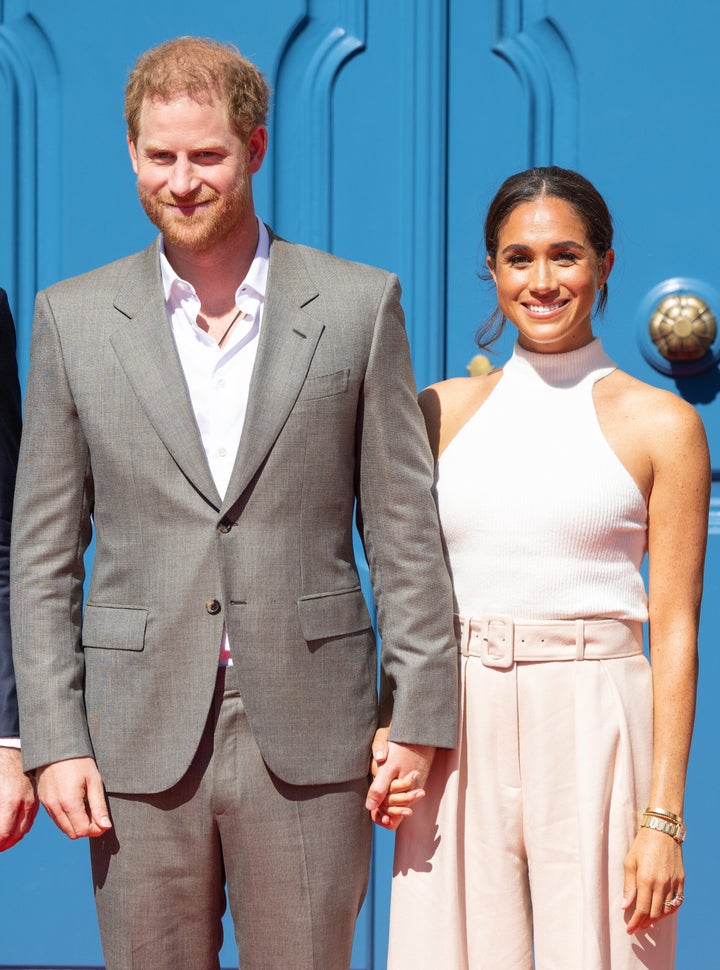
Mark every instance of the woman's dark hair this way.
pixel 538 183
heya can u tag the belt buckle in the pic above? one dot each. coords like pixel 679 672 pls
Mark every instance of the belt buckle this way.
pixel 498 640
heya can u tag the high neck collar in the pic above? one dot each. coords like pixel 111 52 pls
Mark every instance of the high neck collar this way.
pixel 561 370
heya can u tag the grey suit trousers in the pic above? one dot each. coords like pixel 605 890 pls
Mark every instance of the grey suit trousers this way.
pixel 295 858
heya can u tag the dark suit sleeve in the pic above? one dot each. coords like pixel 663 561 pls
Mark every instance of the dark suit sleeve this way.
pixel 9 445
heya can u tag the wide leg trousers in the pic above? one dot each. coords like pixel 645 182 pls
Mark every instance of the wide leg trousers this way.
pixel 295 860
pixel 514 858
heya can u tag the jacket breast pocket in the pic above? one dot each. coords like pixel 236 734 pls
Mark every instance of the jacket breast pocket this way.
pixel 335 614
pixel 114 627
pixel 325 385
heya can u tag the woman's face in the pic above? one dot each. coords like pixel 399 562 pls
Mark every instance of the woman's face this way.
pixel 547 275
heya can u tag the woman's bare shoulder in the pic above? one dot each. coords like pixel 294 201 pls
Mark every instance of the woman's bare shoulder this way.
pixel 646 422
pixel 448 405
pixel 657 409
pixel 458 391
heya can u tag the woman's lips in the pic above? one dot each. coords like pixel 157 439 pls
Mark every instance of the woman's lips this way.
pixel 545 309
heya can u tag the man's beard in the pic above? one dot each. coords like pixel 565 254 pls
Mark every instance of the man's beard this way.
pixel 203 229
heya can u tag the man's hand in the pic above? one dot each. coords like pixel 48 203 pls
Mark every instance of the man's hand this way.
pixel 18 801
pixel 400 771
pixel 73 796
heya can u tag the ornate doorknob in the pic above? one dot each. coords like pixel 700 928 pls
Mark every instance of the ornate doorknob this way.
pixel 682 327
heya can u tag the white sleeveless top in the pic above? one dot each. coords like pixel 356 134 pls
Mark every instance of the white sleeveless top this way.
pixel 540 518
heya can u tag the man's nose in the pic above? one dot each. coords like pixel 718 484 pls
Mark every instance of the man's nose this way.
pixel 182 178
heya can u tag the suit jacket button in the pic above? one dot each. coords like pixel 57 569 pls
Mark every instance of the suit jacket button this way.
pixel 224 527
pixel 213 607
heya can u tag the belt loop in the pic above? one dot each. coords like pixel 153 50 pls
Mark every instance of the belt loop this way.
pixel 579 639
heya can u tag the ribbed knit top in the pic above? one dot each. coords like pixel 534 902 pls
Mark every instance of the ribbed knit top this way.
pixel 540 518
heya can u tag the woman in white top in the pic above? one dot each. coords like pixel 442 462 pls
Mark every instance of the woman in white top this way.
pixel 551 837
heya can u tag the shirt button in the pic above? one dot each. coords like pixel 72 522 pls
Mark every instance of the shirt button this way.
pixel 220 383
pixel 213 607
pixel 222 452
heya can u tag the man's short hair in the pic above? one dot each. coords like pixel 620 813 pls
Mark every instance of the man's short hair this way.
pixel 199 68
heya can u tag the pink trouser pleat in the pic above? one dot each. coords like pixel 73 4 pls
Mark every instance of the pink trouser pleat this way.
pixel 517 849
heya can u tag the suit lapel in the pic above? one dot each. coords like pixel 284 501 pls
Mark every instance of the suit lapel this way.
pixel 147 353
pixel 288 337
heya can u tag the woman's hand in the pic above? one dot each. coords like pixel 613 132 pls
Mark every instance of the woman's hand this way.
pixel 654 879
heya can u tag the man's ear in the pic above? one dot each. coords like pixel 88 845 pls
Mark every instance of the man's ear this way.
pixel 133 153
pixel 257 145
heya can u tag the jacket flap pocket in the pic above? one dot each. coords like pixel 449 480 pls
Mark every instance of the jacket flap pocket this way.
pixel 114 627
pixel 333 614
pixel 324 386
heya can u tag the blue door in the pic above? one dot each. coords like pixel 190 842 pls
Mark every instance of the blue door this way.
pixel 393 124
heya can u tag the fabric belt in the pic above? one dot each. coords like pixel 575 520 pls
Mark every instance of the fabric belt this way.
pixel 500 642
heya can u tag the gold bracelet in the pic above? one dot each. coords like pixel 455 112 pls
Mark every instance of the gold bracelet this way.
pixel 664 813
pixel 676 830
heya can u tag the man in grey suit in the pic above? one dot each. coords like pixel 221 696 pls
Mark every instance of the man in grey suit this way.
pixel 18 803
pixel 217 407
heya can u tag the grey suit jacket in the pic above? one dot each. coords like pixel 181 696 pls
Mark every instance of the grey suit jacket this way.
pixel 110 441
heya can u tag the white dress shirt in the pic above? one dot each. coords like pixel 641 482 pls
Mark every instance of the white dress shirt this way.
pixel 218 379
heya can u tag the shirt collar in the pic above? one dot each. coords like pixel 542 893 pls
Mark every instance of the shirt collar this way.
pixel 254 282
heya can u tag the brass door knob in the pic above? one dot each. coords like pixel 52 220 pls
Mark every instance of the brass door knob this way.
pixel 682 327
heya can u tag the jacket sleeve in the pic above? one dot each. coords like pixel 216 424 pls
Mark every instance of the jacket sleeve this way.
pixel 397 519
pixel 51 531
pixel 9 445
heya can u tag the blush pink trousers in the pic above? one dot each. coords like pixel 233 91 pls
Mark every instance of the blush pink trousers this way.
pixel 514 859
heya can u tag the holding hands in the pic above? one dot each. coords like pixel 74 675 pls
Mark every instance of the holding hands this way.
pixel 399 773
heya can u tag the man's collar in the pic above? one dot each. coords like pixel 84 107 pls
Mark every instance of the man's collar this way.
pixel 255 280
